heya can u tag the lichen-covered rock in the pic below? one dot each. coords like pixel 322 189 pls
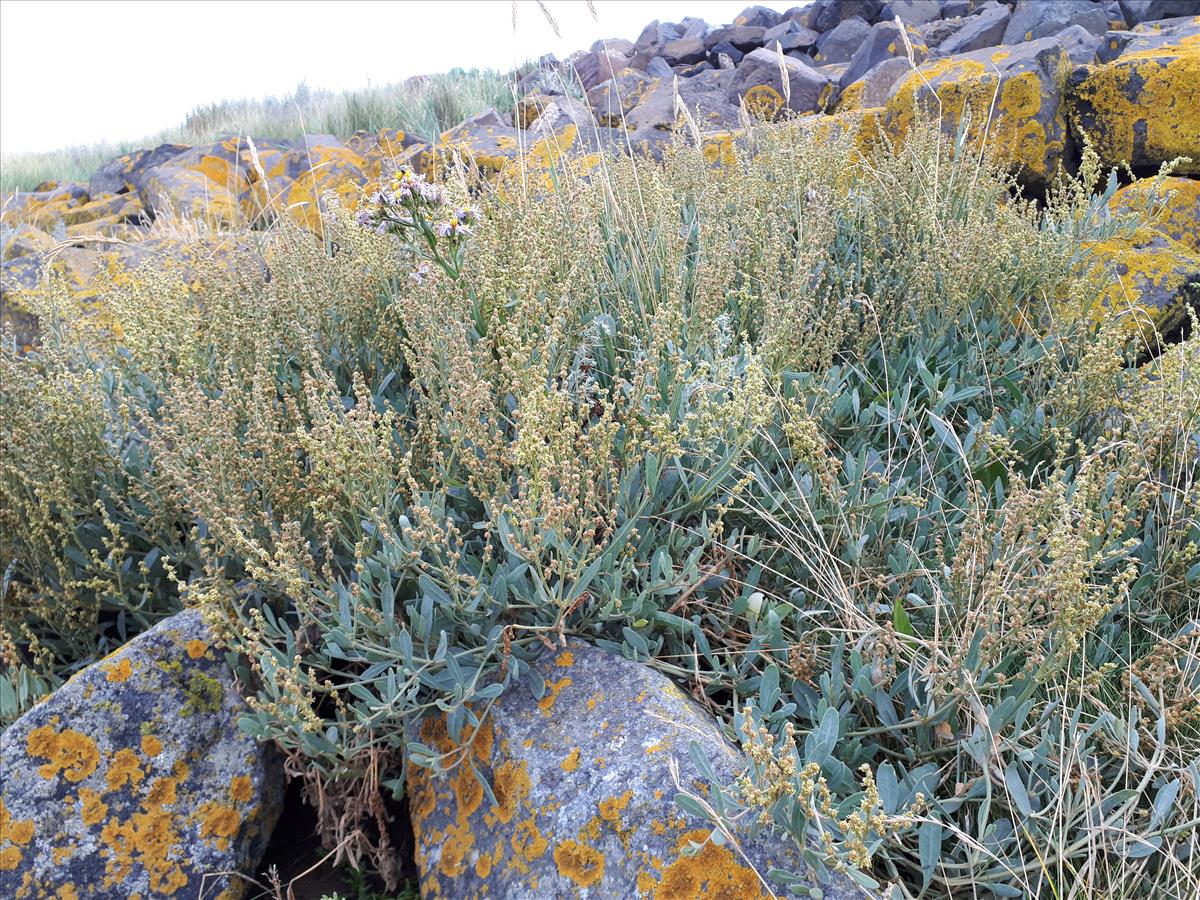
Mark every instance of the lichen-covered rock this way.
pixel 758 83
pixel 111 208
pixel 911 12
pixel 43 209
pixel 884 41
pixel 1149 279
pixel 1174 209
pixel 19 331
pixel 1011 94
pixel 839 44
pixel 615 98
pixel 120 175
pixel 871 91
pixel 24 240
pixel 558 113
pixel 583 796
pixel 1033 19
pixel 485 141
pixel 703 95
pixel 169 191
pixel 985 28
pixel 1143 108
pixel 758 15
pixel 132 780
pixel 299 176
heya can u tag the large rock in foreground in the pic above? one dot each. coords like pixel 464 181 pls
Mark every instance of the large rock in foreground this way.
pixel 132 780
pixel 583 795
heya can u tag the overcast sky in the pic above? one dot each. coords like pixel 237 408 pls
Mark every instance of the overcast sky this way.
pixel 82 72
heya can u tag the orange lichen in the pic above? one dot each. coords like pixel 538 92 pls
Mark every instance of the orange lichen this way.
pixel 510 785
pixel 124 769
pixel 74 754
pixel 151 746
pixel 553 689
pixel 468 792
pixel 1144 107
pixel 196 648
pixel 713 872
pixel 162 792
pixel 240 789
pixel 15 832
pixel 611 808
pixel 148 838
pixel 1014 112
pixel 582 864
pixel 457 844
pixel 218 823
pixel 565 660
pixel 645 884
pixel 119 671
pixel 92 808
pixel 571 762
pixel 594 699
pixel 527 841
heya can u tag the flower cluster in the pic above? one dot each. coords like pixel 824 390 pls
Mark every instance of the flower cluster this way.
pixel 407 205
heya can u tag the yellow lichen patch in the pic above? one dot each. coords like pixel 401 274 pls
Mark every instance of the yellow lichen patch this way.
pixel 423 794
pixel 123 769
pixel 553 689
pixel 218 823
pixel 1008 111
pixel 645 884
pixel 240 789
pixel 718 149
pixel 162 792
pixel 611 808
pixel 1144 107
pixel 456 845
pixel 119 671
pixel 594 699
pixel 92 808
pixel 571 762
pixel 196 648
pixel 510 784
pixel 582 864
pixel 72 753
pixel 528 844
pixel 468 792
pixel 14 834
pixel 1174 211
pixel 714 872
pixel 565 660
pixel 148 838
pixel 151 746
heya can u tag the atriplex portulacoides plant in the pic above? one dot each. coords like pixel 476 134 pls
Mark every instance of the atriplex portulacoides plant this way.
pixel 837 446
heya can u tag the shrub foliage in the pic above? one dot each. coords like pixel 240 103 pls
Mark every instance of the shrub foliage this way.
pixel 837 443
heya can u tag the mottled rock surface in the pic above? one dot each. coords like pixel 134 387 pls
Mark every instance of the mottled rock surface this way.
pixel 132 780
pixel 583 795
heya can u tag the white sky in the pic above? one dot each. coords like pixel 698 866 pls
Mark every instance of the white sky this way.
pixel 81 72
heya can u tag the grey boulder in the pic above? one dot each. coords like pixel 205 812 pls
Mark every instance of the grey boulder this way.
pixel 1033 19
pixel 569 793
pixel 133 778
